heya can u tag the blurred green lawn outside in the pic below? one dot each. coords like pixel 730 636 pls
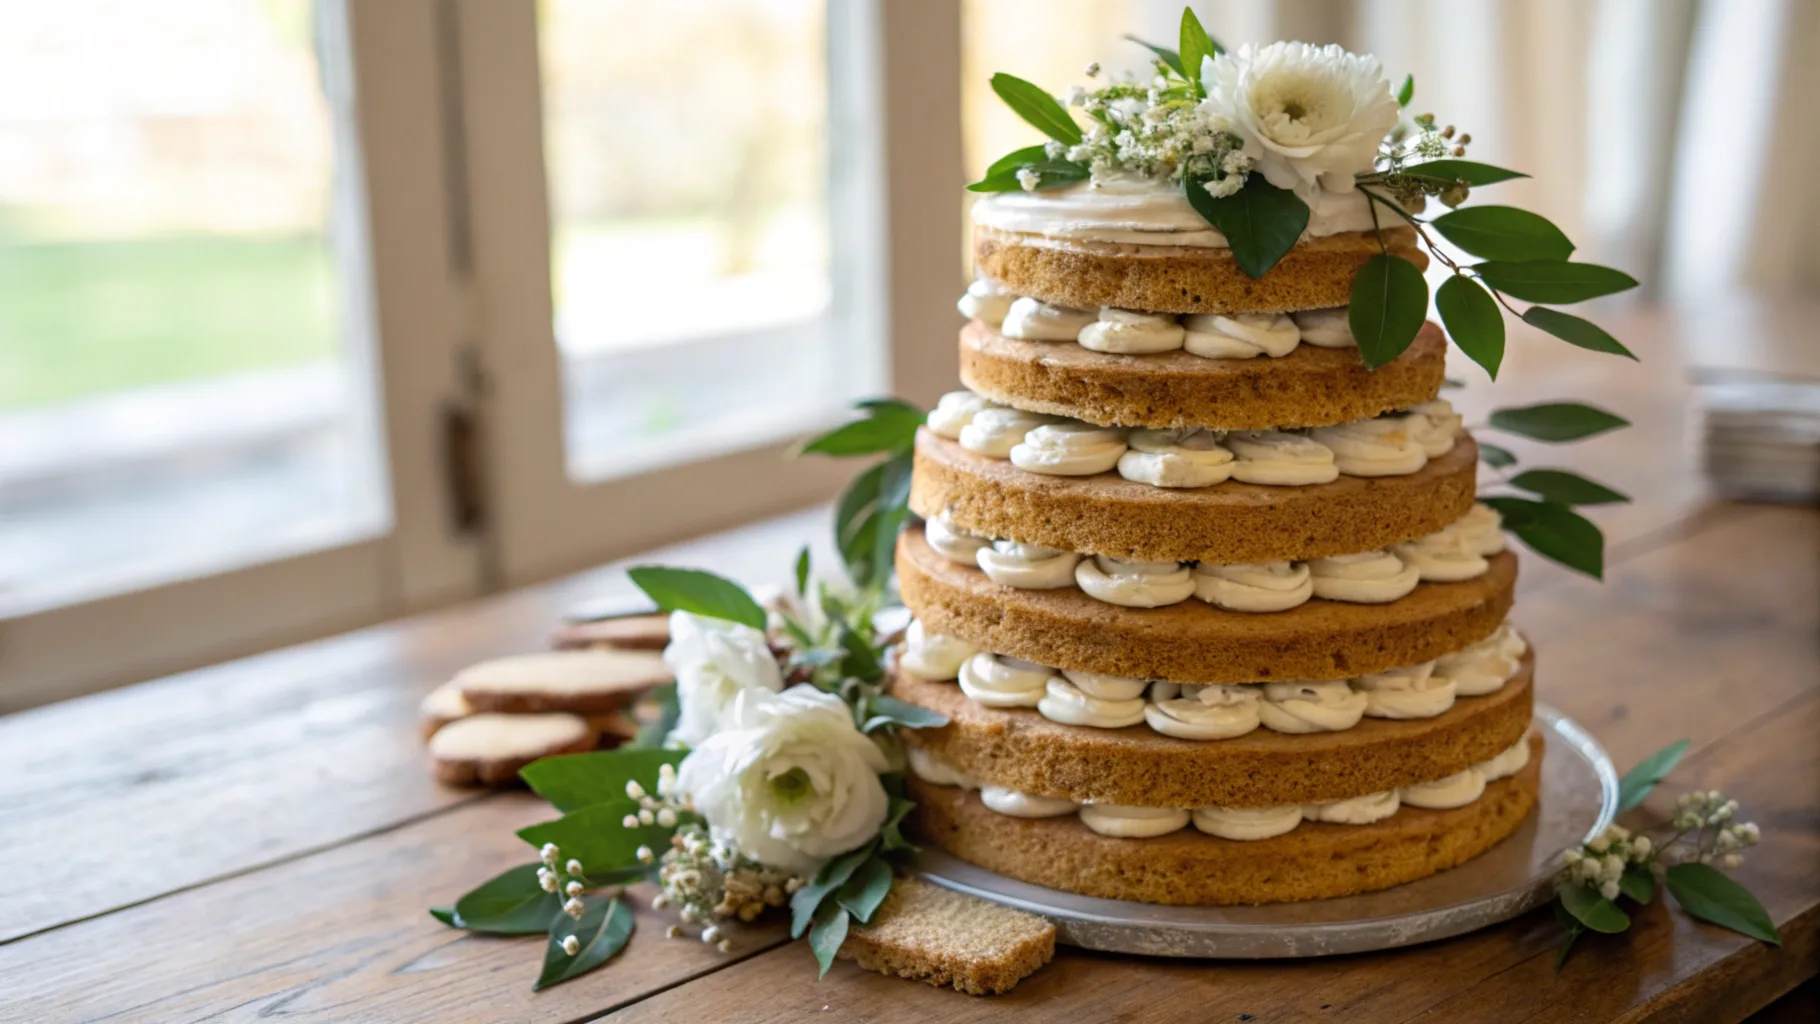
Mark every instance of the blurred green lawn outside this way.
pixel 85 318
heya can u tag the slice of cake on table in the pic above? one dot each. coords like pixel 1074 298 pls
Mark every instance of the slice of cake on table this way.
pixel 1209 605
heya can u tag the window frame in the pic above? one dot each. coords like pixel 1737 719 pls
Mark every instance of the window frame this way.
pixel 405 313
pixel 898 184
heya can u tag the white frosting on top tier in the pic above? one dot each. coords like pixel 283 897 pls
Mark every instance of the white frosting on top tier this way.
pixel 1142 211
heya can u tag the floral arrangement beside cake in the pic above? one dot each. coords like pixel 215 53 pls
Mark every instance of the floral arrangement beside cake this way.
pixel 1206 603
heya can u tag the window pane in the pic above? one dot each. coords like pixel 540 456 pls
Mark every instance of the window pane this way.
pixel 176 394
pixel 686 145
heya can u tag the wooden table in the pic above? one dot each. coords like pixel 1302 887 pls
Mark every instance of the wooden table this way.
pixel 261 839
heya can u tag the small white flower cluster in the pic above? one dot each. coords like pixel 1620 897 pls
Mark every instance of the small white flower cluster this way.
pixel 1705 816
pixel 566 879
pixel 707 880
pixel 1601 863
pixel 1698 812
pixel 1412 142
pixel 1147 131
pixel 655 810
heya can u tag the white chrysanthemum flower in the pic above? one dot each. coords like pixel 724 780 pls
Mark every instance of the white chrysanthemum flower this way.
pixel 789 782
pixel 1311 116
pixel 714 661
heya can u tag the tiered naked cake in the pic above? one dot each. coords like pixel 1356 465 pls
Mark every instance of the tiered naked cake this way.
pixel 1226 622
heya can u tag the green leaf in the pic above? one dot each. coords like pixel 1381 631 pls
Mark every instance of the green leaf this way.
pixel 1504 233
pixel 1555 532
pixel 1573 928
pixel 891 836
pixel 1195 46
pixel 1638 884
pixel 1556 422
pixel 1593 910
pixel 863 892
pixel 890 426
pixel 1017 158
pixel 1407 91
pixel 1260 221
pixel 1634 787
pixel 858 658
pixel 1494 456
pixel 509 903
pixel 1049 173
pixel 1037 107
pixel 893 509
pixel 574 781
pixel 1543 281
pixel 1473 320
pixel 652 734
pixel 1707 893
pixel 831 877
pixel 829 932
pixel 1574 330
pixel 1564 488
pixel 447 916
pixel 596 835
pixel 1170 57
pixel 604 928
pixel 886 710
pixel 703 593
pixel 1389 304
pixel 1465 171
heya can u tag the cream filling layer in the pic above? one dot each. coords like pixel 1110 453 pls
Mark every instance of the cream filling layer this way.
pixel 1188 457
pixel 1370 577
pixel 1239 824
pixel 932 655
pixel 1193 711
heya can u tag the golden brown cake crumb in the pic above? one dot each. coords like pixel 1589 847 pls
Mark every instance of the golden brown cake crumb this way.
pixel 1194 642
pixel 1020 749
pixel 1316 274
pixel 1227 523
pixel 926 933
pixel 1315 861
pixel 1309 387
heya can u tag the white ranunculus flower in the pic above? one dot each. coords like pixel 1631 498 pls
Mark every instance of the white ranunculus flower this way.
pixel 714 661
pixel 788 781
pixel 1310 115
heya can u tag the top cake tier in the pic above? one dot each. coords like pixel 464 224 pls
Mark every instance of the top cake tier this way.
pixel 1139 245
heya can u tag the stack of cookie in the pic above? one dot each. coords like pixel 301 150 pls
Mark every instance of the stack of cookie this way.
pixel 494 718
pixel 1209 605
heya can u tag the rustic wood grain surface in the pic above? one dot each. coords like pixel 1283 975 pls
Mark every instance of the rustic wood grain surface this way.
pixel 260 840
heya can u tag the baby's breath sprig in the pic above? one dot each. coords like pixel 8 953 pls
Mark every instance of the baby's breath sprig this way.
pixel 707 881
pixel 1685 854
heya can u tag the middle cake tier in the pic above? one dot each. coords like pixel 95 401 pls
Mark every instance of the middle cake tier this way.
pixel 1227 523
pixel 1195 642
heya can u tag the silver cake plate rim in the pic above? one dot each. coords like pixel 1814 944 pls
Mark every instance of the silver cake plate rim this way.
pixel 1579 798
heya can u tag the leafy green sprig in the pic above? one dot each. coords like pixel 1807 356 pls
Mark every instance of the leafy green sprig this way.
pixel 875 505
pixel 1541 511
pixel 1684 855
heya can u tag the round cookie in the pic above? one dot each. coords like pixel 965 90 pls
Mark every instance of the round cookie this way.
pixel 441 706
pixel 1316 274
pixel 584 682
pixel 1309 387
pixel 626 632
pixel 489 749
pixel 1020 749
pixel 1194 642
pixel 1315 861
pixel 1227 523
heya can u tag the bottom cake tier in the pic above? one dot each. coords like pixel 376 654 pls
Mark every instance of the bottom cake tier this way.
pixel 1317 860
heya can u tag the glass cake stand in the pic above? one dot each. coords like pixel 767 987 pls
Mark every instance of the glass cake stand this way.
pixel 1578 798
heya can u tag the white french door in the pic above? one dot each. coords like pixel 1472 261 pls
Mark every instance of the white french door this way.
pixel 316 312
